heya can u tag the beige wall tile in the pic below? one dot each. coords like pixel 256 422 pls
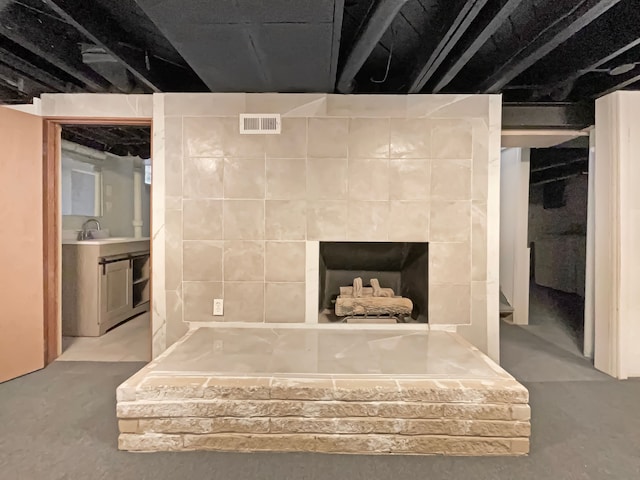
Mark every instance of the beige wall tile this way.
pixel 326 220
pixel 369 179
pixel 203 177
pixel 410 138
pixel 174 302
pixel 173 203
pixel 291 143
pixel 285 261
pixel 369 137
pixel 422 194
pixel 449 263
pixel 449 106
pixel 409 179
pixel 368 221
pixel 202 219
pixel 244 301
pixel 198 300
pixel 238 145
pixel 244 219
pixel 409 221
pixel 286 220
pixel 100 105
pixel 204 104
pixel 204 136
pixel 244 177
pixel 295 105
pixel 243 261
pixel 481 157
pixel 174 305
pixel 173 156
pixel 451 179
pixel 327 178
pixel 328 137
pixel 176 330
pixel 451 139
pixel 202 260
pixel 367 105
pixel 287 178
pixel 450 221
pixel 284 302
pixel 449 304
pixel 173 249
pixel 219 136
pixel 479 304
pixel 479 241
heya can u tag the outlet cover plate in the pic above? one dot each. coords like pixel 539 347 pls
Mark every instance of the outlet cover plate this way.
pixel 218 307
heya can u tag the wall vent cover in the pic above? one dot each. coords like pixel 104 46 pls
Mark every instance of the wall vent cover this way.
pixel 260 123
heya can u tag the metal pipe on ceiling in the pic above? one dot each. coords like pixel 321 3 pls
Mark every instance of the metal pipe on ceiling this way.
pixel 373 28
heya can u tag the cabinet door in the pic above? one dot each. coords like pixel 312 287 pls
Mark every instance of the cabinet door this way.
pixel 115 290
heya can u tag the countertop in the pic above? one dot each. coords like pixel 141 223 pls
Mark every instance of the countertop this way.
pixel 105 241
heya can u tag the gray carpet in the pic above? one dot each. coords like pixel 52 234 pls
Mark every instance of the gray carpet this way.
pixel 59 423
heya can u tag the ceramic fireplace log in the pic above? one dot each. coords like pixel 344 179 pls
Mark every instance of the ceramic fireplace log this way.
pixel 381 292
pixel 373 306
pixel 348 292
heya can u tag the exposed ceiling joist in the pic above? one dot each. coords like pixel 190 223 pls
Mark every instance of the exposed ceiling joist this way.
pixel 24 28
pixel 34 73
pixel 620 84
pixel 550 165
pixel 459 27
pixel 497 18
pixel 539 138
pixel 20 83
pixel 556 179
pixel 540 116
pixel 595 58
pixel 118 140
pixel 578 17
pixel 371 31
pixel 558 163
pixel 108 35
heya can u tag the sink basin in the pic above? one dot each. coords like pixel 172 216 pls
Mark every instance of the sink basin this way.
pixel 98 234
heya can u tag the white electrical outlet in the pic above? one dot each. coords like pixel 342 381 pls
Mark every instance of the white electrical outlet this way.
pixel 218 307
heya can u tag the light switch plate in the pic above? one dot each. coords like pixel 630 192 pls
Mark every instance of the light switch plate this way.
pixel 218 307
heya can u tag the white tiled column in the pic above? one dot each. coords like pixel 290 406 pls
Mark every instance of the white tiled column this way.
pixel 617 231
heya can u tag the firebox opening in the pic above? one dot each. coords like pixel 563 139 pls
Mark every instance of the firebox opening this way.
pixel 400 266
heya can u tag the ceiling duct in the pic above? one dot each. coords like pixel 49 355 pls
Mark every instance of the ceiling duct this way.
pixel 107 66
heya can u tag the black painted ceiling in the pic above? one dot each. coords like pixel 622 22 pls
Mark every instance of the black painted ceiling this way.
pixel 121 140
pixel 529 50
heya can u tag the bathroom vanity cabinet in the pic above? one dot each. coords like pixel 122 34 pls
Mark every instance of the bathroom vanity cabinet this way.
pixel 104 282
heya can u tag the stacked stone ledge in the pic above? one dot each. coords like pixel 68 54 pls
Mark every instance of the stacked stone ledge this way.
pixel 331 415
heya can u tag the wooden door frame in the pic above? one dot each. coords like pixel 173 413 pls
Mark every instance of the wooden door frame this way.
pixel 52 221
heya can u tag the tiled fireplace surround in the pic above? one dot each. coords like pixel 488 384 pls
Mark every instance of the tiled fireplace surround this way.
pixel 241 218
pixel 244 214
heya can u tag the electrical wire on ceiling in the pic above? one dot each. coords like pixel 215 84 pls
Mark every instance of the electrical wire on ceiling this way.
pixel 386 73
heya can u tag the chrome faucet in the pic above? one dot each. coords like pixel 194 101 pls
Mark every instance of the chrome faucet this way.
pixel 85 234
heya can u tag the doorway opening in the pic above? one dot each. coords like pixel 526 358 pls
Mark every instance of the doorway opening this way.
pixel 557 236
pixel 104 181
